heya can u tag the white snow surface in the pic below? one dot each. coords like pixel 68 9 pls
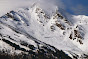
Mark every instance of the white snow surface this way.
pixel 8 5
pixel 37 21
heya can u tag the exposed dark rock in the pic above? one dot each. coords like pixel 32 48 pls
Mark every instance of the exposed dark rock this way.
pixel 60 26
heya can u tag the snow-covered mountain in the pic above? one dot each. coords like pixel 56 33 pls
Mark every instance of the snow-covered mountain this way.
pixel 54 34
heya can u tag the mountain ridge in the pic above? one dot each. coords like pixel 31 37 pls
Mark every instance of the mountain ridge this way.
pixel 35 28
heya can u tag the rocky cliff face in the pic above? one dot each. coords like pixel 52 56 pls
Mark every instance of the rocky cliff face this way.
pixel 32 33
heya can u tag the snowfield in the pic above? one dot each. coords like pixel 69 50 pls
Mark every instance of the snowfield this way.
pixel 52 26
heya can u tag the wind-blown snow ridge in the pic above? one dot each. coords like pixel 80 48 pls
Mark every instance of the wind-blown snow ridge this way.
pixel 8 5
pixel 34 26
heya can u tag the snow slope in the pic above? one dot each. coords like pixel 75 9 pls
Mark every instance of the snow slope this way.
pixel 55 27
pixel 8 5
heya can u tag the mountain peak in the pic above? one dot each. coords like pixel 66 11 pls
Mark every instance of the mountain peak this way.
pixel 35 30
